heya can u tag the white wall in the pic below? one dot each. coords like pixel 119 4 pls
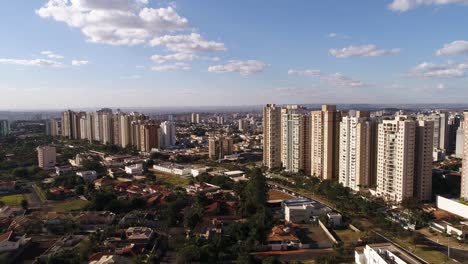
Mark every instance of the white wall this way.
pixel 452 206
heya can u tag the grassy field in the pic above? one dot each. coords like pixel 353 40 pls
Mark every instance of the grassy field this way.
pixel 278 195
pixel 173 180
pixel 68 205
pixel 12 200
pixel 347 236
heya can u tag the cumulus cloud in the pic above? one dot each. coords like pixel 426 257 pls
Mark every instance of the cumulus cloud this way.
pixel 79 62
pixel 115 22
pixel 455 47
pixel 191 43
pixel 173 57
pixel 446 70
pixel 361 51
pixel 246 67
pixel 304 72
pixel 406 5
pixel 340 80
pixel 52 55
pixel 172 67
pixel 31 62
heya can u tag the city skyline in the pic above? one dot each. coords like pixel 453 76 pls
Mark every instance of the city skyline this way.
pixel 81 53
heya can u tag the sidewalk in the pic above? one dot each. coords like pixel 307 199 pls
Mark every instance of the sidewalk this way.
pixel 443 240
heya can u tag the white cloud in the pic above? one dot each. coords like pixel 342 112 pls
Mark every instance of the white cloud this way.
pixel 446 70
pixel 173 57
pixel 246 67
pixel 52 55
pixel 406 5
pixel 191 43
pixel 115 22
pixel 304 72
pixel 31 62
pixel 361 51
pixel 455 47
pixel 441 87
pixel 79 62
pixel 337 35
pixel 340 80
pixel 172 67
pixel 132 77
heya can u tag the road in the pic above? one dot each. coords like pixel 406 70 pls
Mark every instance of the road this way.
pixel 456 254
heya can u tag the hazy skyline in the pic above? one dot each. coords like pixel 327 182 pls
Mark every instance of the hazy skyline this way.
pixel 139 53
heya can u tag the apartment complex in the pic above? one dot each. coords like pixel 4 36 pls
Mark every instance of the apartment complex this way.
pixel 272 136
pixel 4 128
pixel 325 142
pixel 195 118
pixel 46 157
pixel 119 128
pixel 219 146
pixel 464 180
pixel 295 143
pixel 404 162
pixel 357 150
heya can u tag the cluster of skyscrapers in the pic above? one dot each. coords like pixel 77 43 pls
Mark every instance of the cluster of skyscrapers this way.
pixel 389 155
pixel 119 128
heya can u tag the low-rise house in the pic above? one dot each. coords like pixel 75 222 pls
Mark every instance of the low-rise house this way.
pixel 10 242
pixel 109 259
pixel 201 187
pixel 8 186
pixel 95 218
pixel 139 235
pixel 283 237
pixel 60 192
pixel 303 210
pixel 88 176
pixel 457 229
pixel 334 218
pixel 60 170
pixel 134 169
pixel 102 183
pixel 382 254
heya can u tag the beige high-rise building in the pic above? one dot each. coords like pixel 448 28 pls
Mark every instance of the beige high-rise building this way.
pixel 357 155
pixel 107 128
pixel 90 126
pixel 325 142
pixel 464 179
pixel 195 118
pixel 219 146
pixel 423 160
pixel 295 140
pixel 116 129
pixel 46 157
pixel 125 130
pixel 67 124
pixel 271 136
pixel 148 136
pixel 395 158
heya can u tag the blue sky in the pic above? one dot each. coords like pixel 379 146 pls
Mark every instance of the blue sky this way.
pixel 93 53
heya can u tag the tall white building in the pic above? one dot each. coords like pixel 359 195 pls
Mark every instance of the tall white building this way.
pixel 464 180
pixel 295 140
pixel 357 150
pixel 168 135
pixel 272 136
pixel 460 141
pixel 395 158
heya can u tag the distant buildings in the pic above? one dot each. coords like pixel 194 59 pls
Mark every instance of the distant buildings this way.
pixel 118 128
pixel 219 146
pixel 46 157
pixel 195 118
pixel 4 128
